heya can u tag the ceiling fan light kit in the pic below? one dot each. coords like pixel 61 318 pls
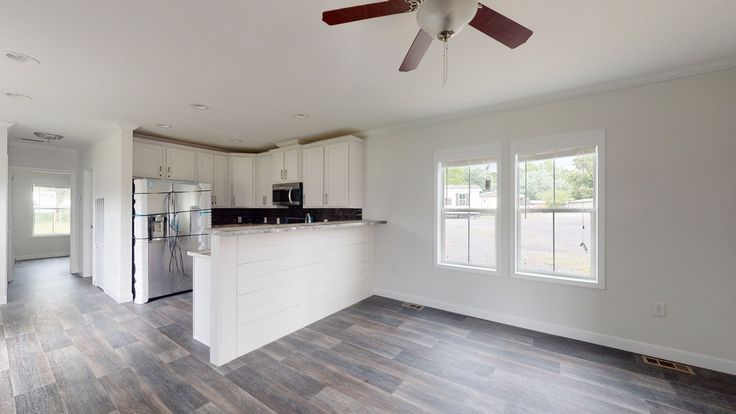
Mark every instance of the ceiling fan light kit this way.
pixel 437 19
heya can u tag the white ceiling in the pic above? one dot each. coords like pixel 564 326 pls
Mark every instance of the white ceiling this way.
pixel 257 63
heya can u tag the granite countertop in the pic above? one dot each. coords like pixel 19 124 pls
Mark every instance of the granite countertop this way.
pixel 245 229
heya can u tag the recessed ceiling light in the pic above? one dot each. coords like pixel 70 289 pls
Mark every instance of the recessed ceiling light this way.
pixel 163 126
pixel 236 141
pixel 301 116
pixel 21 58
pixel 18 96
pixel 199 107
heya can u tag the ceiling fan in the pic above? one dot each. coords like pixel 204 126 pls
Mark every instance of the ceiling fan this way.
pixel 438 19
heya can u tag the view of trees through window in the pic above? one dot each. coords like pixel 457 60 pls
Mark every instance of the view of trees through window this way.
pixel 469 213
pixel 51 210
pixel 555 215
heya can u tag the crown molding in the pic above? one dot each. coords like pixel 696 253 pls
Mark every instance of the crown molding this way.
pixel 596 89
pixel 40 146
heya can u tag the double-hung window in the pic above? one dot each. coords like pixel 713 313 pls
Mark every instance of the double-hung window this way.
pixel 467 220
pixel 558 209
pixel 51 210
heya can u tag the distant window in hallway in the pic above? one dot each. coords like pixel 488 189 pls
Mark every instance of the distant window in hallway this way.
pixel 51 210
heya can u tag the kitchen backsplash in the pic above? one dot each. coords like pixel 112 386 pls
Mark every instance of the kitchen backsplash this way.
pixel 221 216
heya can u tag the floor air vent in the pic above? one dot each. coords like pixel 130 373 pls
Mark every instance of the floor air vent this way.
pixel 663 363
pixel 412 306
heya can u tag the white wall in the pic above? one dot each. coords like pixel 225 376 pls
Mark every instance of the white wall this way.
pixel 112 161
pixel 4 187
pixel 671 220
pixel 50 158
pixel 25 245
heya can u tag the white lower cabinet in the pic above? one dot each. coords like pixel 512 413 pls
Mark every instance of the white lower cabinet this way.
pixel 243 173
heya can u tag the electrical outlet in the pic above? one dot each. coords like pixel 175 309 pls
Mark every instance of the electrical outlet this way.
pixel 240 219
pixel 659 309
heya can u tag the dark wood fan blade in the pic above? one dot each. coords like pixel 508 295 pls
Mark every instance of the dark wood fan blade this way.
pixel 416 51
pixel 500 27
pixel 366 11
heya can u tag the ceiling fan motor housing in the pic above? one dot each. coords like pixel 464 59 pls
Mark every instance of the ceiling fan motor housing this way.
pixel 443 19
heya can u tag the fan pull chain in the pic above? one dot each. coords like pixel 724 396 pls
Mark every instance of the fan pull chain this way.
pixel 444 66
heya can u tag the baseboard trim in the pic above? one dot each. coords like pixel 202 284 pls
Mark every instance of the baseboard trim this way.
pixel 685 357
pixel 3 300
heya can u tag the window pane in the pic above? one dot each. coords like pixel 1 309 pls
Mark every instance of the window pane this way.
pixel 455 243
pixel 574 180
pixel 535 243
pixel 43 221
pixel 573 244
pixel 483 239
pixel 535 189
pixel 483 179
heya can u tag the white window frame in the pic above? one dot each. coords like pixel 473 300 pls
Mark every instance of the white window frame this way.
pixel 490 151
pixel 550 143
pixel 34 208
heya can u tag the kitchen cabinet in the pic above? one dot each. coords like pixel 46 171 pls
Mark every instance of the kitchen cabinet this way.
pixel 264 178
pixel 286 165
pixel 214 170
pixel 313 172
pixel 333 171
pixel 157 161
pixel 181 164
pixel 148 160
pixel 243 174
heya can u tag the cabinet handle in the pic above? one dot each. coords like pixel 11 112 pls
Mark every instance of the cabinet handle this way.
pixel 168 172
pixel 326 199
pixel 264 200
pixel 160 171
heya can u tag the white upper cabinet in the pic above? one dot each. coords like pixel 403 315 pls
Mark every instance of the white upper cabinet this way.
pixel 243 174
pixel 214 170
pixel 221 184
pixel 286 165
pixel 148 160
pixel 313 163
pixel 264 178
pixel 333 171
pixel 181 164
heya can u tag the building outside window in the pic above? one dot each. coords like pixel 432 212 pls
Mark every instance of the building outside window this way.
pixel 51 210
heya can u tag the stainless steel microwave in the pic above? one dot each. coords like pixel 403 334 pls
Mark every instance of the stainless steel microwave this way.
pixel 288 194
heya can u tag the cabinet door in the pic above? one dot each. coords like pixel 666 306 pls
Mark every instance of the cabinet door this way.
pixel 291 165
pixel 277 166
pixel 221 173
pixel 148 161
pixel 205 171
pixel 264 179
pixel 336 175
pixel 181 164
pixel 242 182
pixel 313 170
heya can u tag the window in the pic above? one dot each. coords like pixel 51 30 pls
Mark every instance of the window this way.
pixel 51 210
pixel 557 206
pixel 467 211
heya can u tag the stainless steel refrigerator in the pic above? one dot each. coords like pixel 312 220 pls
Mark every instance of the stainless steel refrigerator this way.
pixel 169 219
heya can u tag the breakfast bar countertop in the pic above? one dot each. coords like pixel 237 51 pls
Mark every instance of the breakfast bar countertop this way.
pixel 245 229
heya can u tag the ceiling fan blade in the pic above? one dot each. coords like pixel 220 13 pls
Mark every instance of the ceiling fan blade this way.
pixel 500 27
pixel 416 51
pixel 366 11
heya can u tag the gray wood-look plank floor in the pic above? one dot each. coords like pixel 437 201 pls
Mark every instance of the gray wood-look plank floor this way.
pixel 67 347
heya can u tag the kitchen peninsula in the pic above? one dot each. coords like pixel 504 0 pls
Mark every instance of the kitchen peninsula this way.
pixel 270 280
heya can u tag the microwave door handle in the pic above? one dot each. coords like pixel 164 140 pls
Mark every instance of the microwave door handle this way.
pixel 289 196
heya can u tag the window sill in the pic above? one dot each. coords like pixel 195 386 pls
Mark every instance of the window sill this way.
pixel 45 236
pixel 468 269
pixel 560 280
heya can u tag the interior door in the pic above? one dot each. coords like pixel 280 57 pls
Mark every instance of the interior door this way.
pixel 314 171
pixel 291 165
pixel 148 161
pixel 243 182
pixel 98 274
pixel 336 175
pixel 220 184
pixel 181 164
